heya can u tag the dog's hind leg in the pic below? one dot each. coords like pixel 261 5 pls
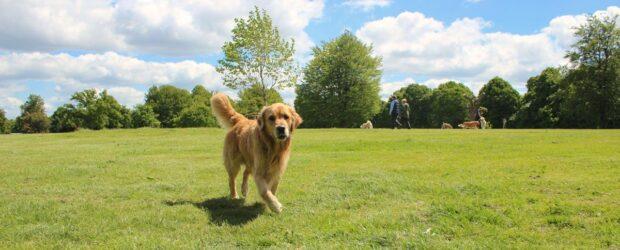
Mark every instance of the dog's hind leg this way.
pixel 244 184
pixel 232 167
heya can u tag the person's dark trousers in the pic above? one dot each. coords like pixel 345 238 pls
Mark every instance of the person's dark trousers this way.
pixel 406 123
pixel 395 122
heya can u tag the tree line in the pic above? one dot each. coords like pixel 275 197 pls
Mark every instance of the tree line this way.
pixel 165 106
pixel 340 87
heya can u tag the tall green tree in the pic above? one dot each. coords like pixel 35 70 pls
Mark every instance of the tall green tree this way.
pixel 540 104
pixel 501 100
pixel 592 86
pixel 251 100
pixel 341 84
pixel 450 103
pixel 419 99
pixel 32 118
pixel 257 55
pixel 167 102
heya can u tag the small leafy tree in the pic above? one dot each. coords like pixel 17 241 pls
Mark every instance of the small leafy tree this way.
pixel 341 84
pixel 144 116
pixel 540 104
pixel 100 110
pixel 258 56
pixel 196 115
pixel 201 95
pixel 167 102
pixel 4 123
pixel 33 118
pixel 251 100
pixel 450 103
pixel 119 116
pixel 66 118
pixel 501 100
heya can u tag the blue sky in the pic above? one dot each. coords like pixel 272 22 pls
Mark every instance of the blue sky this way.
pixel 519 17
pixel 56 48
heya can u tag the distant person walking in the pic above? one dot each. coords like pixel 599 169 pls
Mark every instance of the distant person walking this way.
pixel 395 111
pixel 404 114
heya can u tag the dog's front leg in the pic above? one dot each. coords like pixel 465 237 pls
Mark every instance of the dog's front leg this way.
pixel 263 188
pixel 274 184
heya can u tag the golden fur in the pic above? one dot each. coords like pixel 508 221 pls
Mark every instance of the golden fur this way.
pixel 446 126
pixel 262 145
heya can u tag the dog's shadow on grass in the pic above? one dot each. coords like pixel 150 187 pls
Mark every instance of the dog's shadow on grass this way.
pixel 224 210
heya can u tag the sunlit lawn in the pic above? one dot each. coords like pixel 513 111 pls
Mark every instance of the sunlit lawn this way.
pixel 343 188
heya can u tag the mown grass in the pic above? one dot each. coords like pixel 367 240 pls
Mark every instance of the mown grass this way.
pixel 166 188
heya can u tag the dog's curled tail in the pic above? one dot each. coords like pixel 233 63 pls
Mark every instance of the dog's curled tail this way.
pixel 224 111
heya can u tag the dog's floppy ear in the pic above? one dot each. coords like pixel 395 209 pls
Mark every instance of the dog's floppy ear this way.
pixel 260 118
pixel 296 120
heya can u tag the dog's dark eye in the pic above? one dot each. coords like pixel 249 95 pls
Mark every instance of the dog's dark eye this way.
pixel 272 118
pixel 285 117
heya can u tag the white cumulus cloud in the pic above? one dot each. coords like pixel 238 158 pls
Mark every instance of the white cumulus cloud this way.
pixel 178 28
pixel 8 102
pixel 122 75
pixel 367 5
pixel 423 47
pixel 107 69
pixel 127 95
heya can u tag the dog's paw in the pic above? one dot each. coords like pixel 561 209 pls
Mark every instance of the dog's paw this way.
pixel 235 197
pixel 276 207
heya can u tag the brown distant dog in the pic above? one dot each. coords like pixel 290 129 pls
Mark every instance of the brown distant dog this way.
pixel 262 145
pixel 446 126
pixel 472 124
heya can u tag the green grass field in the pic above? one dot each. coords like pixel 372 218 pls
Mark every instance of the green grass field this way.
pixel 164 188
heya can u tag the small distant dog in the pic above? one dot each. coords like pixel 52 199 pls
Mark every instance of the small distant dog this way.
pixel 366 125
pixel 470 125
pixel 262 145
pixel 446 126
pixel 483 123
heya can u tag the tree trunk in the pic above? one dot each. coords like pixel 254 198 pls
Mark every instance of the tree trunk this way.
pixel 262 83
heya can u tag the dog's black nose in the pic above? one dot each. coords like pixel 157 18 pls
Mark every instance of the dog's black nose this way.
pixel 280 129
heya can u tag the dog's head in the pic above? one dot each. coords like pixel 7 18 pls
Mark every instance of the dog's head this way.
pixel 461 125
pixel 278 121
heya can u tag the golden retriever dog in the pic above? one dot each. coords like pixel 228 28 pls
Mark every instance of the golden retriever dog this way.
pixel 262 145
pixel 446 126
pixel 483 123
pixel 366 125
pixel 472 125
